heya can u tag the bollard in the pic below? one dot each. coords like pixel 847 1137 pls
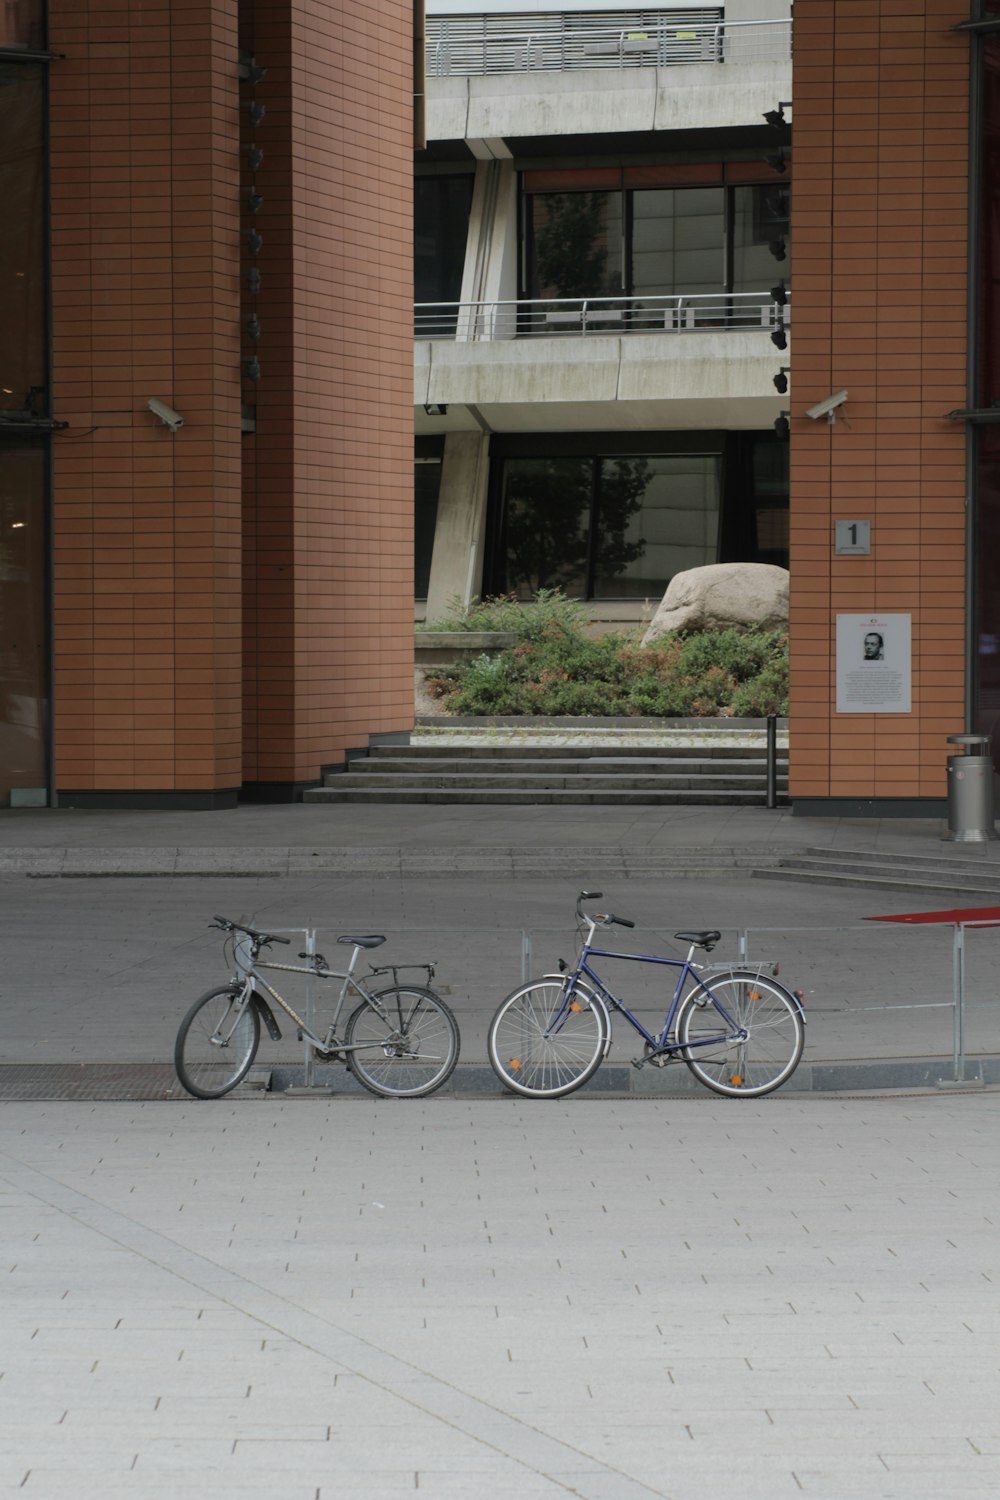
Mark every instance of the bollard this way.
pixel 971 811
pixel 772 760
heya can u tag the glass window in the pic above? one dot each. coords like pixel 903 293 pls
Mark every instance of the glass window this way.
pixel 23 615
pixel 654 517
pixel 678 238
pixel 545 525
pixel 760 220
pixel 656 241
pixel 606 528
pixel 426 488
pixel 986 436
pixel 22 24
pixel 441 208
pixel 576 245
pixel 22 253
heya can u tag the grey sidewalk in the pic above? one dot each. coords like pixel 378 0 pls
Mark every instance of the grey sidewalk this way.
pixel 297 839
pixel 615 1301
pixel 100 968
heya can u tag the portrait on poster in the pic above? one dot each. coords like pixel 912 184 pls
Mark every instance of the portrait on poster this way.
pixel 873 664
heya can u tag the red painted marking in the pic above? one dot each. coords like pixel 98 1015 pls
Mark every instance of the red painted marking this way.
pixel 987 915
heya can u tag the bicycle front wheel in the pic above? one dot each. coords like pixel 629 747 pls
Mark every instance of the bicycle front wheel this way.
pixel 744 1066
pixel 216 1043
pixel 403 1046
pixel 545 1042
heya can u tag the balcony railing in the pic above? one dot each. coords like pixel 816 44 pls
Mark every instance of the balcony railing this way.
pixel 568 316
pixel 480 45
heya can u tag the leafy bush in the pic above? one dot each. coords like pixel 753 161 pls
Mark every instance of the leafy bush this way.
pixel 527 621
pixel 556 669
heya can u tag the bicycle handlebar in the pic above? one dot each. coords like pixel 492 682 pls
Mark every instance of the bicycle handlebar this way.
pixel 599 919
pixel 258 937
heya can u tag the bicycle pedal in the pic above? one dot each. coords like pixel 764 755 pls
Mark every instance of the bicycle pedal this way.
pixel 638 1063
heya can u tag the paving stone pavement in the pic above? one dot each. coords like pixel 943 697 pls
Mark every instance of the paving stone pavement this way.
pixel 612 1300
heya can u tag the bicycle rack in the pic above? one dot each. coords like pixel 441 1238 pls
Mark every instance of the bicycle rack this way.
pixel 308 1084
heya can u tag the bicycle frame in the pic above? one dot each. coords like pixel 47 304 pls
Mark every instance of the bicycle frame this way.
pixel 253 982
pixel 661 1042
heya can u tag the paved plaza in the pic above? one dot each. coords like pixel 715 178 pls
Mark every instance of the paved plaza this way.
pixel 613 1300
pixel 479 1296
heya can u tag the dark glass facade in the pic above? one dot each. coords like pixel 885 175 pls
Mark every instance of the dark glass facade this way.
pixel 24 408
pixel 22 25
pixel 985 436
pixel 441 208
pixel 619 523
pixel 653 241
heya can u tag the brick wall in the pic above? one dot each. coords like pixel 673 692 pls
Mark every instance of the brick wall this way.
pixel 879 231
pixel 328 581
pixel 144 289
pixel 166 597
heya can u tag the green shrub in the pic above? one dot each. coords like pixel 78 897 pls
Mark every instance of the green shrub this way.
pixel 556 669
pixel 528 621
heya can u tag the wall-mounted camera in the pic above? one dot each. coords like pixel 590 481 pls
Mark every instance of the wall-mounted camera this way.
pixel 827 408
pixel 166 414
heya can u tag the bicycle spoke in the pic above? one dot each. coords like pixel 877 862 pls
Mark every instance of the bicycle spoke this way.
pixel 406 1044
pixel 543 1043
pixel 750 1064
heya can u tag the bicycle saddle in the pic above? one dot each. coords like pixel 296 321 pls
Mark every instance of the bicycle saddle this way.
pixel 706 940
pixel 363 942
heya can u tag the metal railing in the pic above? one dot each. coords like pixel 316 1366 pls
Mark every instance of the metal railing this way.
pixel 923 996
pixel 561 316
pixel 471 46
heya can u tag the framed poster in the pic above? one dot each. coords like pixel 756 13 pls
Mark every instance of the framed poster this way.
pixel 873 664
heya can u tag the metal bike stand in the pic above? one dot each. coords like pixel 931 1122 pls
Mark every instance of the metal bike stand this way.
pixel 308 1087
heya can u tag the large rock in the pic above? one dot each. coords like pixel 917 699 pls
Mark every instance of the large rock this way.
pixel 723 594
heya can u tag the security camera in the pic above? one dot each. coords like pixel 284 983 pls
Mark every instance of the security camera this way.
pixel 827 408
pixel 166 414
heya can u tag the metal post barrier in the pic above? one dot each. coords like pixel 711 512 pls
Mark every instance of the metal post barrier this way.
pixel 958 991
pixel 525 957
pixel 308 1084
pixel 309 1062
pixel 772 760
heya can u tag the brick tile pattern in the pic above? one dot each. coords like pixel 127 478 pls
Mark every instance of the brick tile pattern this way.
pixel 155 685
pixel 145 170
pixel 880 234
pixel 328 476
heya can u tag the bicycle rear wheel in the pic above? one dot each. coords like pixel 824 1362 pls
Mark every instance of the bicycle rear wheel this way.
pixel 216 1043
pixel 545 1042
pixel 741 1067
pixel 407 1043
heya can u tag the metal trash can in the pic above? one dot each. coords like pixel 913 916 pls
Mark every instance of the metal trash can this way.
pixel 971 810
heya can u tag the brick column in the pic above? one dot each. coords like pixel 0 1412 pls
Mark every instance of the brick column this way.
pixel 879 230
pixel 328 474
pixel 144 130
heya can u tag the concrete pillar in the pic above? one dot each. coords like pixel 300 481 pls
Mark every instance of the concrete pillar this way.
pixel 491 252
pixel 457 560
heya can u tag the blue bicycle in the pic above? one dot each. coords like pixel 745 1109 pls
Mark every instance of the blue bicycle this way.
pixel 741 1034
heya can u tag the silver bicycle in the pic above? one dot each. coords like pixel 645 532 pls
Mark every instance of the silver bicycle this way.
pixel 400 1042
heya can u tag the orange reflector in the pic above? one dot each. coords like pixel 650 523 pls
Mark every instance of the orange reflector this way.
pixel 575 1005
pixel 755 994
pixel 515 1064
pixel 736 1080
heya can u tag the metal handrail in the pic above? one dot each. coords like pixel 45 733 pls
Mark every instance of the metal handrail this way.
pixel 668 41
pixel 558 316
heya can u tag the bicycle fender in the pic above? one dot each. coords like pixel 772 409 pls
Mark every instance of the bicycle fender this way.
pixel 791 995
pixel 267 1016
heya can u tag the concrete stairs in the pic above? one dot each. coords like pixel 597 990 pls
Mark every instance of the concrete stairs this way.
pixel 533 773
pixel 966 878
